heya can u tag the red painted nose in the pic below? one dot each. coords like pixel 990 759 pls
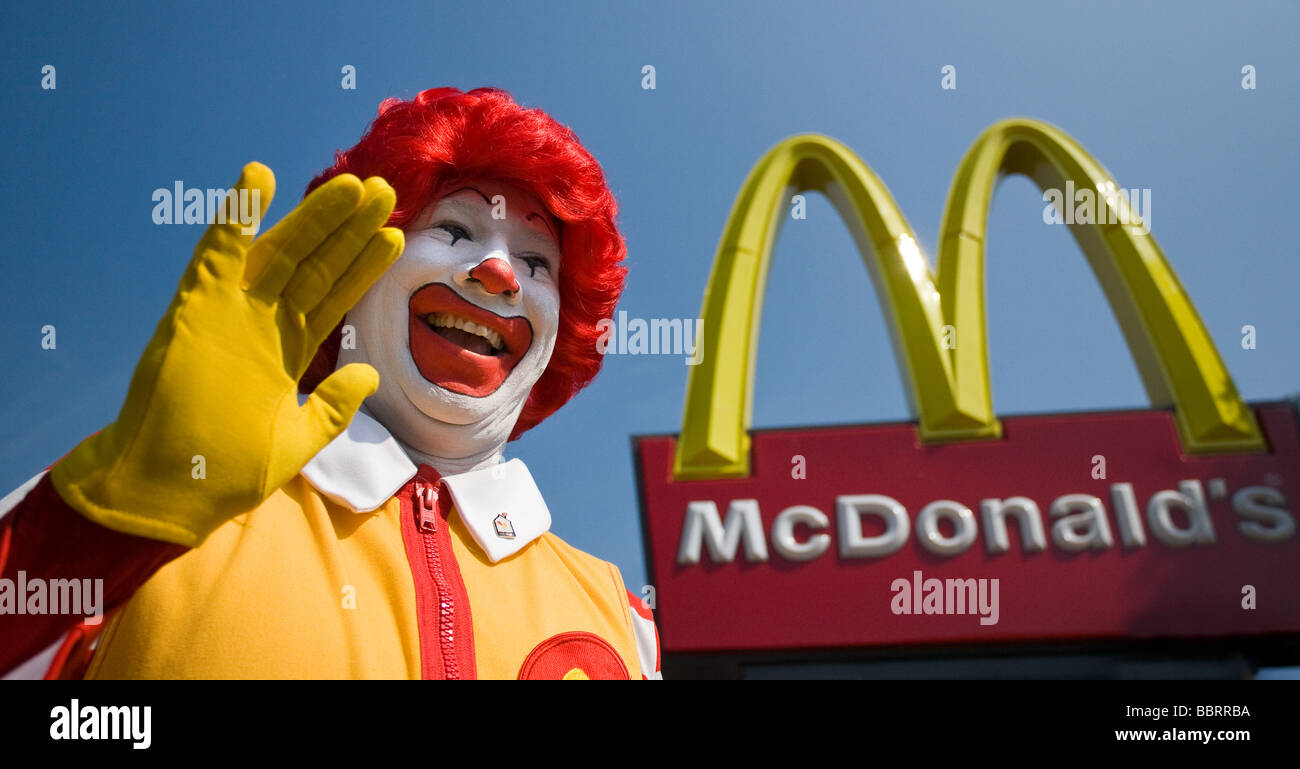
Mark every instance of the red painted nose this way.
pixel 496 276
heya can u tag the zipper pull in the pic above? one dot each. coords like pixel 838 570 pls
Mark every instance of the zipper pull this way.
pixel 426 498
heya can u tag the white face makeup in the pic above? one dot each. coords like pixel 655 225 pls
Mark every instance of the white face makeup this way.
pixel 463 323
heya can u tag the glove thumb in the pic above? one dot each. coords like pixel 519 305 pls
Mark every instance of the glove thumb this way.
pixel 330 409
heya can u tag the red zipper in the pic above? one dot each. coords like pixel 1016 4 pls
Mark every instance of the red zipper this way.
pixel 426 497
pixel 441 601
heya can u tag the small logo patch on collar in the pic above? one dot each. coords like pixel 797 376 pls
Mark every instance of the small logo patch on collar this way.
pixel 501 507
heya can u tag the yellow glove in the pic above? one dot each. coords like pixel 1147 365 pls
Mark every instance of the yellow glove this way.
pixel 211 425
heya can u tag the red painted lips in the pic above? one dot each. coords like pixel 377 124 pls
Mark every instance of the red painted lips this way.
pixel 452 365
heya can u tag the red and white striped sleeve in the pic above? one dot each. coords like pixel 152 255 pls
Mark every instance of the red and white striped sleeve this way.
pixel 647 637
pixel 42 538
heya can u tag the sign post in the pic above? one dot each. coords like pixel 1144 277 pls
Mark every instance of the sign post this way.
pixel 959 527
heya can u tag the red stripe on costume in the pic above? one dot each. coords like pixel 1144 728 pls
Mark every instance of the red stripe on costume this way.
pixel 638 605
pixel 46 539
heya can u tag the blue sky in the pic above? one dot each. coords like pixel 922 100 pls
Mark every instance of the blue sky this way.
pixel 149 94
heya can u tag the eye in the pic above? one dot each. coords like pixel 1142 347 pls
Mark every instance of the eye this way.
pixel 534 261
pixel 456 231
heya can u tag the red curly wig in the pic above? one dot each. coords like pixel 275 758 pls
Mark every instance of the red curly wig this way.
pixel 443 139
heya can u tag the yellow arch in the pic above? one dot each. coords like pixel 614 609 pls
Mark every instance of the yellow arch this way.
pixel 948 389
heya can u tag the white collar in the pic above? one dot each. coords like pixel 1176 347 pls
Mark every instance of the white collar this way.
pixel 365 466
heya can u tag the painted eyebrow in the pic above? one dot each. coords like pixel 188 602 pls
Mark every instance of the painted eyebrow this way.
pixel 486 199
pixel 545 223
pixel 531 215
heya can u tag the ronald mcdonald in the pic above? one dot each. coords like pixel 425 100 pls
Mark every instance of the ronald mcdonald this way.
pixel 307 479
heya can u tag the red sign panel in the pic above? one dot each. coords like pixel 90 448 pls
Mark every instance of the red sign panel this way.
pixel 1083 526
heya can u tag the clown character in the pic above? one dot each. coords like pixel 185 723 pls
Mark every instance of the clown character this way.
pixel 307 477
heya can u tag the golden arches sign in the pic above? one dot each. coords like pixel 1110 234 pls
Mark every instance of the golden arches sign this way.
pixel 948 389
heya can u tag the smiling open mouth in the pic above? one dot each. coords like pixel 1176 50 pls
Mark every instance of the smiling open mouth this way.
pixel 460 346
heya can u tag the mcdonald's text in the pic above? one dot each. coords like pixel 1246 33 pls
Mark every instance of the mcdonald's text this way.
pixel 1177 518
